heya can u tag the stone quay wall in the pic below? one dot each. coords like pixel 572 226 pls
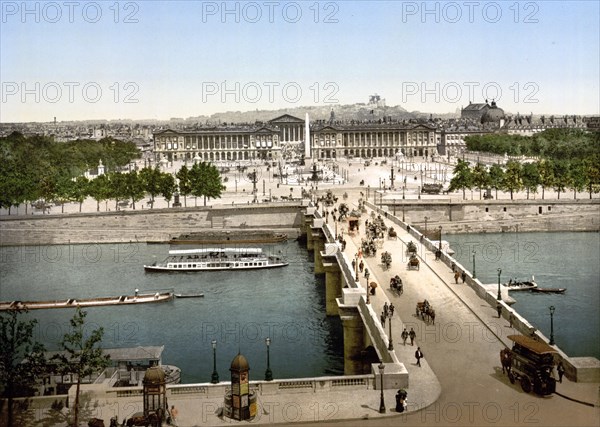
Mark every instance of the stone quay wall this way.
pixel 147 225
pixel 497 216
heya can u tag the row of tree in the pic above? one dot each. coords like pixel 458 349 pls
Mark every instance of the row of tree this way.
pixel 23 363
pixel 560 175
pixel 565 144
pixel 202 180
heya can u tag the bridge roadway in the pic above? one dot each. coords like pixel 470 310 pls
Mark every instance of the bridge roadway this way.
pixel 461 354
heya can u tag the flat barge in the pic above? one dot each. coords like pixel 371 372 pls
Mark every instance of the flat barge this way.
pixel 88 302
pixel 213 237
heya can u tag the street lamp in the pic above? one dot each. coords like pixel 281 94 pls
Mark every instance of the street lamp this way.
pixel 474 264
pixel 215 374
pixel 426 218
pixel 499 297
pixel 551 308
pixel 356 267
pixel 440 245
pixel 268 372
pixel 381 401
pixel 367 287
pixel 391 343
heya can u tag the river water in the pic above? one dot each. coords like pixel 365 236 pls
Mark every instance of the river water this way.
pixel 557 260
pixel 239 309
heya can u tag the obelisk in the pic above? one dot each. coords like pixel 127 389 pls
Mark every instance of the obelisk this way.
pixel 306 138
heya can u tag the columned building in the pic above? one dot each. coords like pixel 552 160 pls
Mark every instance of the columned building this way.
pixel 369 140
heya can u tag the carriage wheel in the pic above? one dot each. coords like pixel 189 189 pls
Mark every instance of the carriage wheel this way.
pixel 511 377
pixel 525 384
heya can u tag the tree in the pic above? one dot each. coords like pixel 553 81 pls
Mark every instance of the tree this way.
pixel 481 177
pixel 496 177
pixel 80 190
pixel 546 172
pixel 185 186
pixel 463 177
pixel 117 187
pixel 577 179
pixel 21 359
pixel 99 189
pixel 531 177
pixel 151 179
pixel 205 181
pixel 592 174
pixel 80 356
pixel 512 181
pixel 134 187
pixel 561 176
pixel 167 187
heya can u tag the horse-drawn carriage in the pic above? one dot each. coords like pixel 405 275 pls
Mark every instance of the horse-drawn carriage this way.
pixel 530 362
pixel 413 262
pixel 392 234
pixel 411 248
pixel 369 247
pixel 386 260
pixel 425 311
pixel 396 284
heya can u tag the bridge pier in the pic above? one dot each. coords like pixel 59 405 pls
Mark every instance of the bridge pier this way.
pixel 318 245
pixel 333 279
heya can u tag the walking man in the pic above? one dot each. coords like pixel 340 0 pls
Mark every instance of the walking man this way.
pixel 511 319
pixel 392 308
pixel 383 316
pixel 385 309
pixel 174 414
pixel 499 310
pixel 464 276
pixel 456 276
pixel 361 266
pixel 561 371
pixel 412 334
pixel 404 336
pixel 419 356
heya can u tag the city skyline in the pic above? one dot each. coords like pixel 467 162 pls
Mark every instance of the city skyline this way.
pixel 156 60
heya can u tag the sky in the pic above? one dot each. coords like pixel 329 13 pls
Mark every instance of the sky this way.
pixel 161 59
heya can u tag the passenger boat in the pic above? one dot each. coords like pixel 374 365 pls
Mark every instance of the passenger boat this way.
pixel 517 285
pixel 209 259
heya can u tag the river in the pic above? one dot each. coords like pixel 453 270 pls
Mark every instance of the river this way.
pixel 239 309
pixel 557 260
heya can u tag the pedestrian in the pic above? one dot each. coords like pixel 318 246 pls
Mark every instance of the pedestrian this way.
pixel 453 267
pixel 343 244
pixel 499 310
pixel 361 266
pixel 385 309
pixel 353 264
pixel 419 356
pixel 511 319
pixel 392 308
pixel 174 413
pixel 412 334
pixel 383 316
pixel 367 274
pixel 561 371
pixel 464 276
pixel 456 276
pixel 404 336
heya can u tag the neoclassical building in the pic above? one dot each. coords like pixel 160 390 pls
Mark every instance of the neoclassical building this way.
pixel 267 141
pixel 234 142
pixel 368 140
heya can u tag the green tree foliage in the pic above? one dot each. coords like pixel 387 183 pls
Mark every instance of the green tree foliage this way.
pixel 591 167
pixel 462 178
pixel 576 177
pixel 37 167
pixel 134 187
pixel 117 185
pixel 561 176
pixel 168 186
pixel 99 189
pixel 481 177
pixel 513 180
pixel 151 179
pixel 185 185
pixel 531 177
pixel 21 359
pixel 546 173
pixel 205 181
pixel 496 177
pixel 80 356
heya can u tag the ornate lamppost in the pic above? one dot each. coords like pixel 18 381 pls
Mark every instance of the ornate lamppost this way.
pixel 381 401
pixel 268 372
pixel 356 267
pixel 551 308
pixel 474 264
pixel 440 245
pixel 367 287
pixel 391 343
pixel 215 374
pixel 499 297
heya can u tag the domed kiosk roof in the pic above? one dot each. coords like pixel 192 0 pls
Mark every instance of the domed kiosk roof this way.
pixel 493 114
pixel 154 375
pixel 239 363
